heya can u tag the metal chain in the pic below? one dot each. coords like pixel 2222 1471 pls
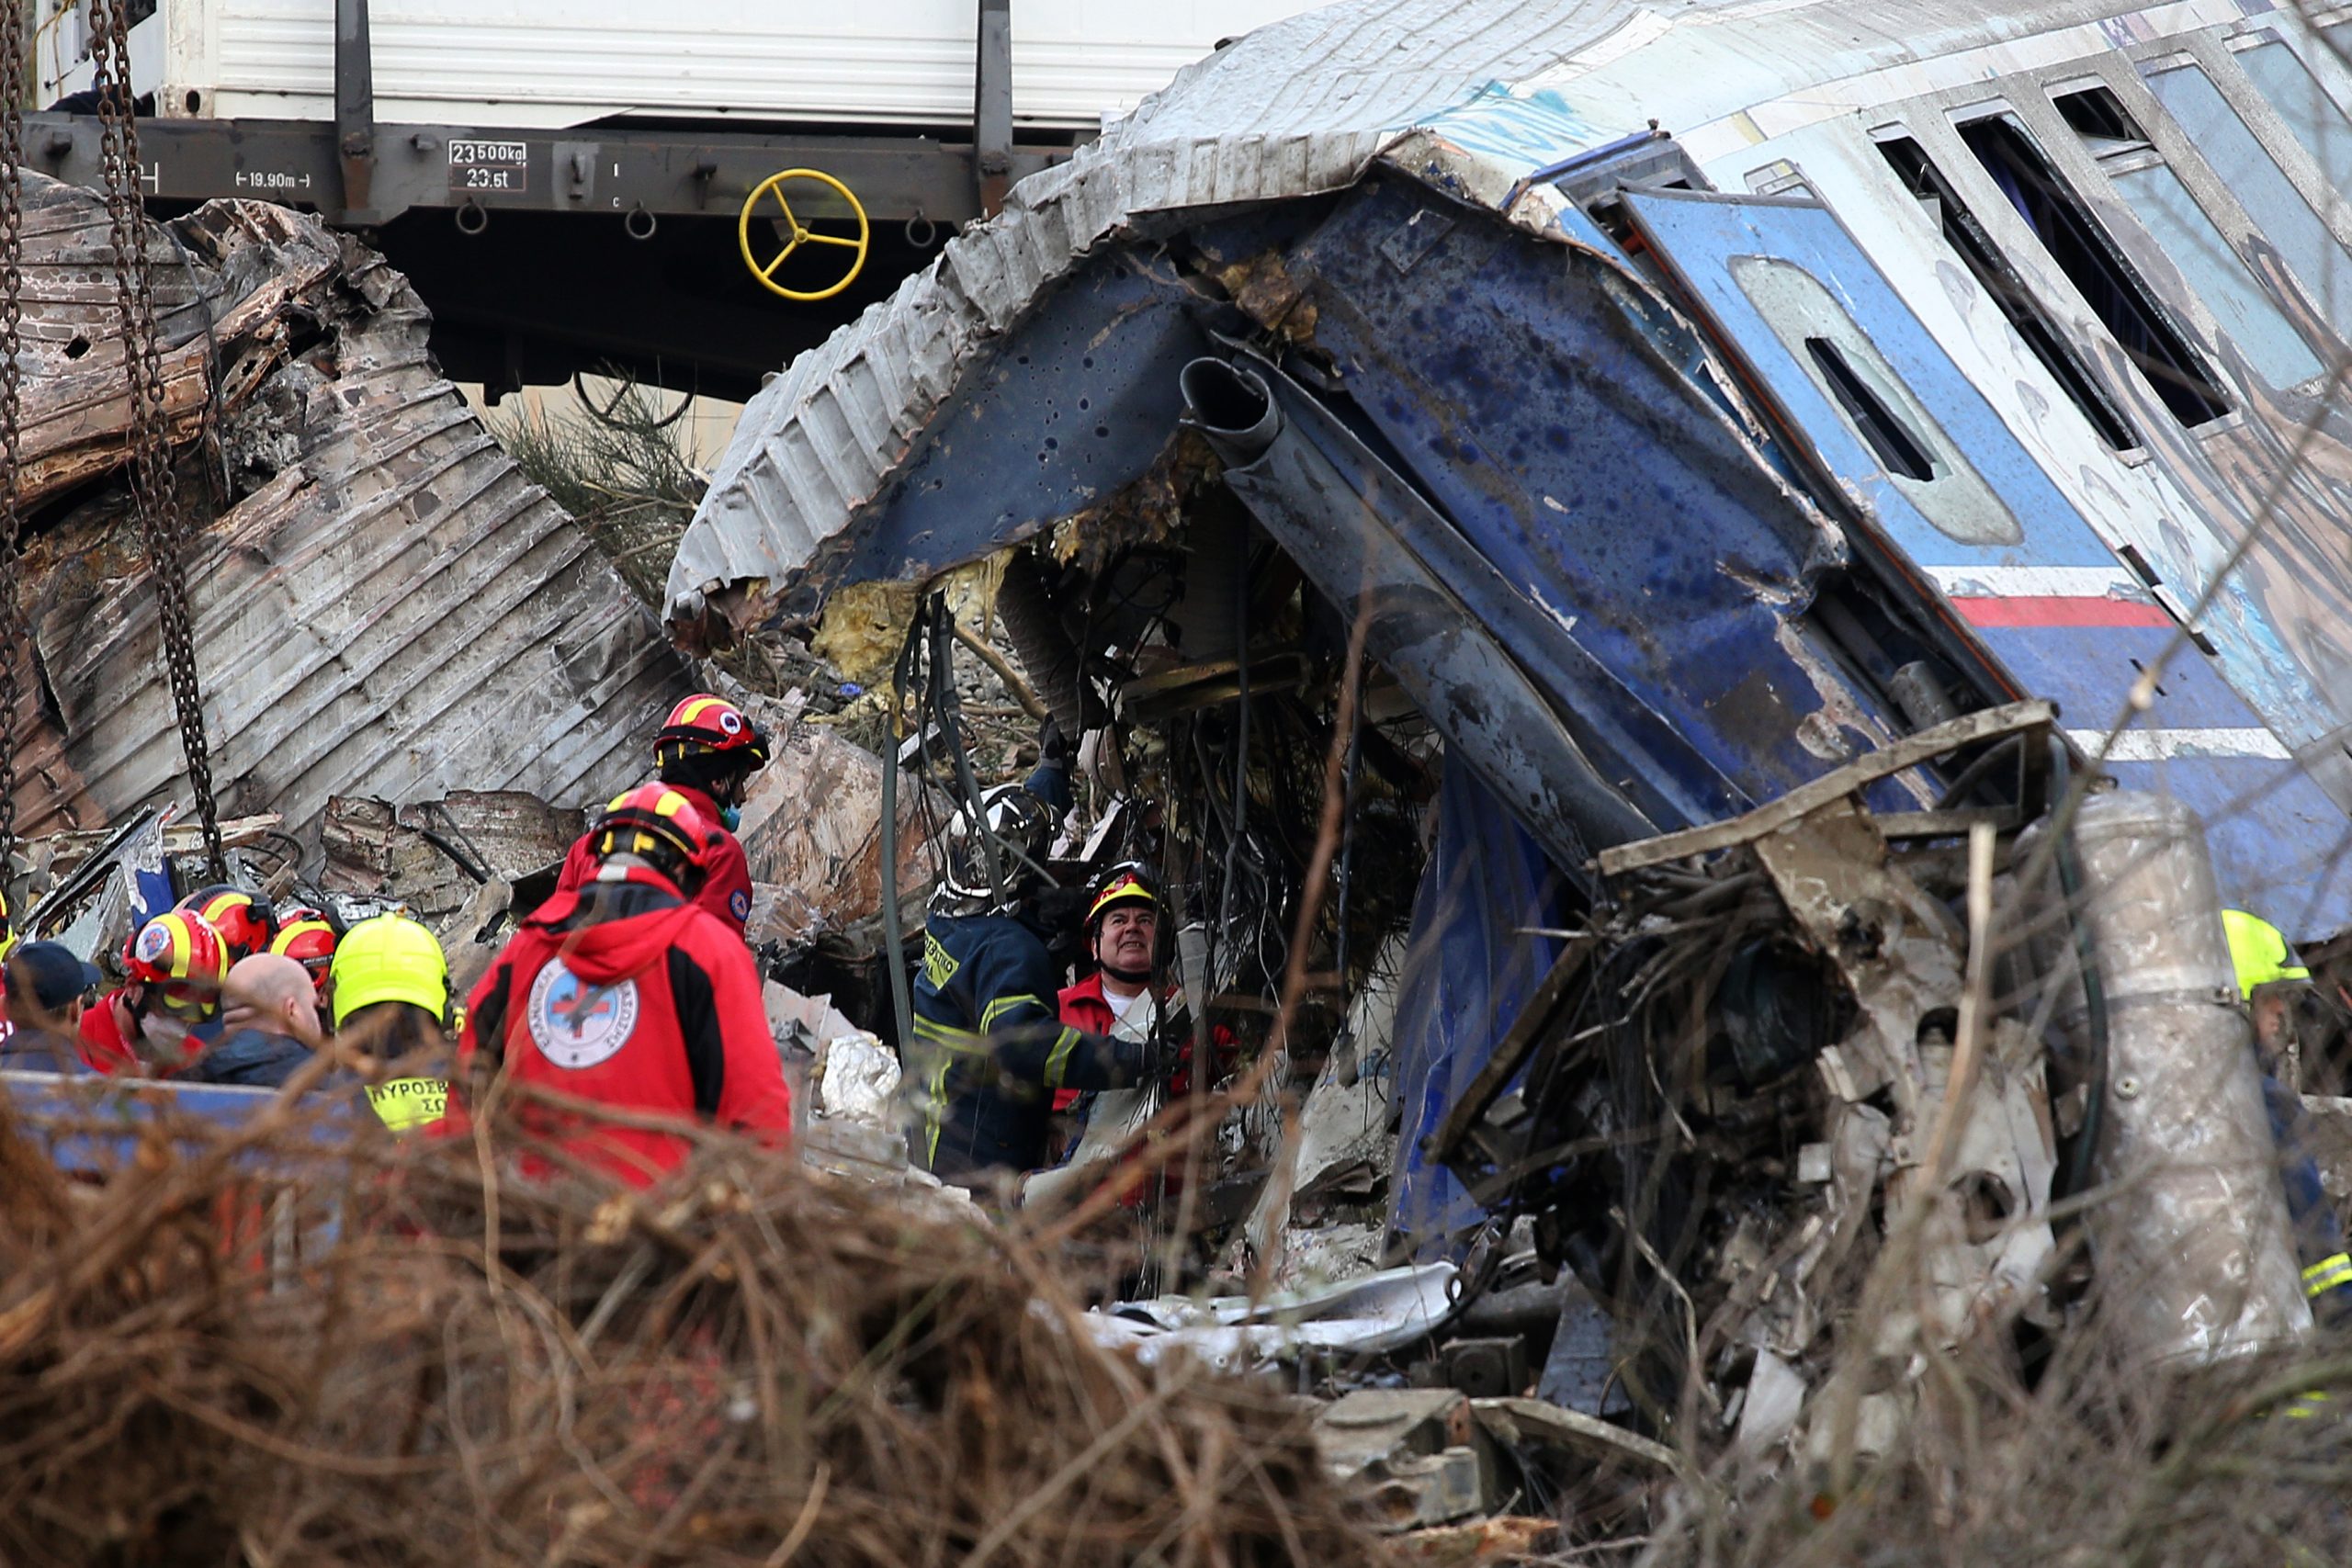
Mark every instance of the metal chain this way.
pixel 13 635
pixel 153 486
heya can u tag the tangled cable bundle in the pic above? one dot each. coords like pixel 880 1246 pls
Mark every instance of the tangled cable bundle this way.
pixel 270 1347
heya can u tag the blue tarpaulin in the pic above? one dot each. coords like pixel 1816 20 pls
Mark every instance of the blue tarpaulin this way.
pixel 1470 965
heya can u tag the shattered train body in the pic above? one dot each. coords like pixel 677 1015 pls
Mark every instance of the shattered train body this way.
pixel 1766 452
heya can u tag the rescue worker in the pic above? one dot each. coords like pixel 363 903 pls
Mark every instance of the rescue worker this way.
pixel 1122 936
pixel 169 1006
pixel 706 752
pixel 2268 979
pixel 245 923
pixel 272 994
pixel 628 991
pixel 391 985
pixel 7 941
pixel 992 1054
pixel 305 936
pixel 48 985
pixel 254 1054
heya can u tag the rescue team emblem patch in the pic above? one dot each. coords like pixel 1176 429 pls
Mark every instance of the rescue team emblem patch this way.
pixel 156 945
pixel 739 904
pixel 576 1024
pixel 730 721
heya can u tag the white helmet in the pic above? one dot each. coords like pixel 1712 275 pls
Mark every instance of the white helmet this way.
pixel 1022 826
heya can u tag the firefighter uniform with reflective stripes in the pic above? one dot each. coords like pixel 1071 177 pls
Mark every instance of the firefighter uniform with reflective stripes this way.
pixel 992 1050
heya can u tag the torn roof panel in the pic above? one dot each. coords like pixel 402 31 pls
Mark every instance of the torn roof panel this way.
pixel 1294 108
pixel 383 606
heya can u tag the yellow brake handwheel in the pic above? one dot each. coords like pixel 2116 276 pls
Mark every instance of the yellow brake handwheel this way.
pixel 800 235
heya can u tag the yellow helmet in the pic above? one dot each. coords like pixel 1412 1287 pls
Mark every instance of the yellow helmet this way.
pixel 389 958
pixel 2258 952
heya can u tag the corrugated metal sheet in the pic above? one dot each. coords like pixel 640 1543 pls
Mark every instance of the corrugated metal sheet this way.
pixel 1299 106
pixel 387 607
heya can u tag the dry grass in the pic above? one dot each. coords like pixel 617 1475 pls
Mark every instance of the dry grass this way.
pixel 757 1366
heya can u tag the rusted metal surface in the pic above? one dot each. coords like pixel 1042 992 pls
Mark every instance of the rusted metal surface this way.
pixel 383 606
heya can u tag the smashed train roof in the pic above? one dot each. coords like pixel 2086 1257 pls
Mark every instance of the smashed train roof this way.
pixel 1478 95
pixel 1299 106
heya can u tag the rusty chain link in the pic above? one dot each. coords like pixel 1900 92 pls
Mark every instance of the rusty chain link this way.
pixel 14 81
pixel 153 489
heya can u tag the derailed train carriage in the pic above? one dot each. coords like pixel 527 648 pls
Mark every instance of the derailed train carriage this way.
pixel 1695 406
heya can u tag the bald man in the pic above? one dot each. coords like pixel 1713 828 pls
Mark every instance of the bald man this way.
pixel 271 994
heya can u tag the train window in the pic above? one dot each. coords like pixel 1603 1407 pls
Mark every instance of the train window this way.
pixel 2286 84
pixel 1903 438
pixel 1898 451
pixel 2273 348
pixel 2007 290
pixel 2088 256
pixel 2286 220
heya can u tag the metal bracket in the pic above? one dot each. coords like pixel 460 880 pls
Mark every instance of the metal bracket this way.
pixel 1990 724
pixel 992 106
pixel 354 109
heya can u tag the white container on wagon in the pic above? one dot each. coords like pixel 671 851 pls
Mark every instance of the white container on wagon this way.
pixel 533 64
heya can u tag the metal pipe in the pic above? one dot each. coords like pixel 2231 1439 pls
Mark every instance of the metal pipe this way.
pixel 2189 1234
pixel 1358 532
pixel 902 1002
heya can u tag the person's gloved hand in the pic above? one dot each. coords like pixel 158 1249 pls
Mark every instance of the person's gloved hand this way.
pixel 1053 746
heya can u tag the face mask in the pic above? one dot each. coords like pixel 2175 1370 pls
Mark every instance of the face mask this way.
pixel 163 1039
pixel 731 818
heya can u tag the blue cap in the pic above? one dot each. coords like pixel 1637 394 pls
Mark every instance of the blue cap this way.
pixel 58 976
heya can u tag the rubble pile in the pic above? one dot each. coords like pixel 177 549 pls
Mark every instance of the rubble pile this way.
pixel 762 1365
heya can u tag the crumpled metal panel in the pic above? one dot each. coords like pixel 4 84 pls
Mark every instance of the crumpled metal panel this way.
pixel 1300 107
pixel 387 607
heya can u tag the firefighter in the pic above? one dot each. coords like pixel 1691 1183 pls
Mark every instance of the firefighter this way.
pixel 1122 936
pixel 390 984
pixel 306 937
pixel 629 992
pixel 169 1006
pixel 991 1051
pixel 2269 980
pixel 7 941
pixel 706 752
pixel 245 923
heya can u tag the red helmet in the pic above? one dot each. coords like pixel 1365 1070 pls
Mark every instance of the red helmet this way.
pixel 704 725
pixel 182 961
pixel 245 923
pixel 305 936
pixel 664 826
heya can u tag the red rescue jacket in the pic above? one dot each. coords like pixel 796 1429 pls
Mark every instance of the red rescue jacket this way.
pixel 101 1040
pixel 728 894
pixel 624 994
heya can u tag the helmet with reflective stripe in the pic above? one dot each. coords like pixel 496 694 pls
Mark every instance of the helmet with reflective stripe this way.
pixel 704 724
pixel 305 936
pixel 389 958
pixel 1022 828
pixel 1127 884
pixel 2258 952
pixel 659 824
pixel 179 959
pixel 245 923
pixel 7 929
